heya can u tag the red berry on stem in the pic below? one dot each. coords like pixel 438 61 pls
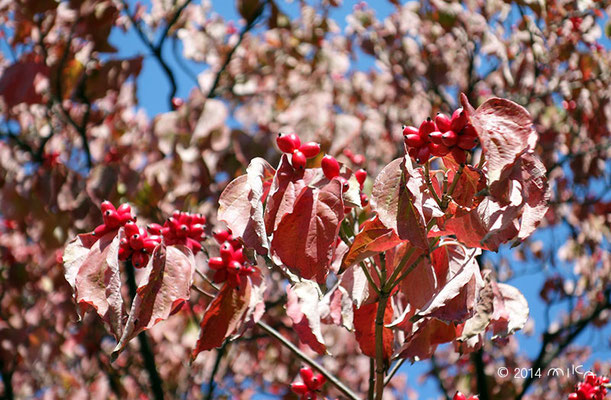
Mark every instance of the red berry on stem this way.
pixel 443 122
pixel 361 176
pixel 310 149
pixel 216 263
pixel 330 167
pixel 423 155
pixel 298 160
pixel 410 130
pixel 139 259
pixel 459 396
pixel 124 208
pixel 459 155
pixel 306 374
pixel 439 150
pixel 435 137
pixel 459 120
pixel 299 388
pixel 427 127
pixel 449 138
pixel 286 143
pixel 107 205
pixel 467 142
pixel 413 140
pixel 226 252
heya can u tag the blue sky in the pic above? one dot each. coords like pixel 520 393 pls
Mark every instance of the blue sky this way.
pixel 152 94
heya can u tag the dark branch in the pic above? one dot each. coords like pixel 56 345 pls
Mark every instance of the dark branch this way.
pixel 145 347
pixel 217 362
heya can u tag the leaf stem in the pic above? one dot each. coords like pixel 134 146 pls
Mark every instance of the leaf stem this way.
pixel 429 184
pixel 448 195
pixel 379 337
pixel 307 359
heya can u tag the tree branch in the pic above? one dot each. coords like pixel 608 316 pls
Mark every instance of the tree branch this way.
pixel 307 359
pixel 217 362
pixel 145 347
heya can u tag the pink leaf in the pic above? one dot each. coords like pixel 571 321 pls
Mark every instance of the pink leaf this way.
pixel 396 204
pixel 505 130
pixel 303 307
pixel 97 281
pixel 223 316
pixel 167 282
pixel 241 205
pixel 305 239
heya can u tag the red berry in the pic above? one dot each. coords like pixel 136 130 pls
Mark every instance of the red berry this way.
pixel 410 130
pixel 177 102
pixel 414 140
pixel 423 155
pixel 459 120
pixel 298 160
pixel 222 236
pixel 299 388
pixel 107 205
pixel 443 122
pixel 459 396
pixel 238 255
pixel 330 167
pixel 226 252
pixel 111 219
pixel 361 176
pixel 306 374
pixel 427 127
pixel 310 149
pixel 573 396
pixel 139 259
pixel 100 230
pixel 216 263
pixel 435 137
pixel 358 159
pixel 288 143
pixel 449 138
pixel 124 209
pixel 154 229
pixel 344 183
pixel 459 155
pixel 467 142
pixel 439 150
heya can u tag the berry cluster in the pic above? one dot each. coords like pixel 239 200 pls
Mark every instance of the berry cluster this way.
pixel 114 218
pixel 231 265
pixel 182 228
pixel 310 385
pixel 460 396
pixel 441 137
pixel 137 244
pixel 291 144
pixel 592 388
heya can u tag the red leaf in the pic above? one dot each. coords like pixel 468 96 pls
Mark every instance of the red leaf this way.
pixel 305 238
pixel 167 281
pixel 364 325
pixel 423 342
pixel 470 182
pixel 92 268
pixel 505 130
pixel 303 307
pixel 222 317
pixel 285 188
pixel 373 238
pixel 18 82
pixel 456 299
pixel 241 205
pixel 395 204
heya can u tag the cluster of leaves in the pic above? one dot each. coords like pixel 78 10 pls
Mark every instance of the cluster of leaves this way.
pixel 71 135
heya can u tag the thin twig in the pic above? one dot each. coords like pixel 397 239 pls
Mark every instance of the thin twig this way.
pixel 217 362
pixel 307 359
pixel 429 184
pixel 245 29
pixel 393 371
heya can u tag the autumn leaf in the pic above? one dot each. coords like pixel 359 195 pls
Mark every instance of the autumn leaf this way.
pixel 166 285
pixel 92 269
pixel 18 82
pixel 395 204
pixel 373 238
pixel 223 316
pixel 241 205
pixel 365 327
pixel 305 239
pixel 303 307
